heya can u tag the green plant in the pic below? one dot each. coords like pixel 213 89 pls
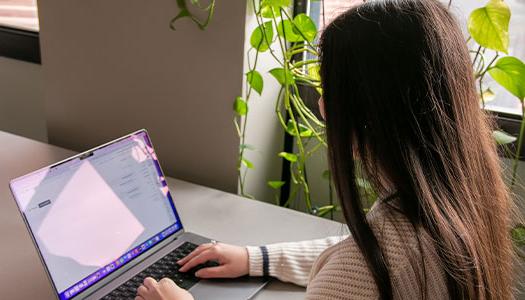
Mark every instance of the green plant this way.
pixel 298 59
pixel 488 28
pixel 291 41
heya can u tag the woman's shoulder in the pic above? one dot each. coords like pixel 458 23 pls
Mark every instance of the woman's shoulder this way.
pixel 409 253
pixel 341 272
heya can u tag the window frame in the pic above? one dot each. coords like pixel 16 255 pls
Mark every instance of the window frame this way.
pixel 20 44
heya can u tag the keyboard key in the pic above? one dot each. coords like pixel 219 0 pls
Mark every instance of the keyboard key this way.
pixel 165 267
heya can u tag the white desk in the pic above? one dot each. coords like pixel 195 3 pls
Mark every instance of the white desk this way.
pixel 209 212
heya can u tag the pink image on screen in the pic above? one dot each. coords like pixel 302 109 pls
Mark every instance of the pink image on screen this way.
pixel 148 151
pixel 103 230
pixel 139 153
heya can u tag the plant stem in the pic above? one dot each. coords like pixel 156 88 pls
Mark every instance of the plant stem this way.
pixel 482 75
pixel 481 91
pixel 296 106
pixel 490 64
pixel 242 135
pixel 302 63
pixel 302 50
pixel 287 98
pixel 314 149
pixel 520 143
pixel 476 56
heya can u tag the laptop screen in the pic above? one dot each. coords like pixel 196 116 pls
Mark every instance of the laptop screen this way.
pixel 93 214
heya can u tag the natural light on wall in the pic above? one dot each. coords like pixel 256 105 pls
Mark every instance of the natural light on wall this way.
pixel 20 14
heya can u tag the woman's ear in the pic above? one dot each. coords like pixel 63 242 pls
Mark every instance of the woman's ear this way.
pixel 321 107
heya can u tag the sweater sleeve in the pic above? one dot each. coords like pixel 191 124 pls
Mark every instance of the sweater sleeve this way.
pixel 290 262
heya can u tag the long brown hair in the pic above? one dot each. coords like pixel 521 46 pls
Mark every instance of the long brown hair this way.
pixel 399 93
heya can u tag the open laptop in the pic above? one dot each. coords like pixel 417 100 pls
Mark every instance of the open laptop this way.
pixel 104 220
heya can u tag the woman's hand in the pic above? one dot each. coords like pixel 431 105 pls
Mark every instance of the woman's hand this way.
pixel 165 289
pixel 233 261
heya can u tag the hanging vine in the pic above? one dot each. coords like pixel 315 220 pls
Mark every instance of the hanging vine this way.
pixel 184 12
pixel 288 40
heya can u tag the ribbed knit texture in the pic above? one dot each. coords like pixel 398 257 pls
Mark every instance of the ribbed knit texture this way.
pixel 290 262
pixel 334 268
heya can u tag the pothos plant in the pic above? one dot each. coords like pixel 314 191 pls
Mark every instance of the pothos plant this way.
pixel 488 27
pixel 291 41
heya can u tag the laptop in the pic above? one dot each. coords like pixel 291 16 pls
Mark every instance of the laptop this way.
pixel 103 220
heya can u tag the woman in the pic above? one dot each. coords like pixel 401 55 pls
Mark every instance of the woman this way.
pixel 399 95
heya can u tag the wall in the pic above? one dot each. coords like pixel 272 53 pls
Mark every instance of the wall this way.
pixel 111 67
pixel 21 103
pixel 263 130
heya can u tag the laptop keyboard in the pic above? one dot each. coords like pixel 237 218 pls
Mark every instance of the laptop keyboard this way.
pixel 165 267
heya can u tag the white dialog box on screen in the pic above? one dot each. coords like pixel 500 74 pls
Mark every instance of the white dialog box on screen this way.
pixel 103 230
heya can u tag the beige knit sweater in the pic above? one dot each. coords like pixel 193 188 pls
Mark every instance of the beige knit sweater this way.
pixel 334 268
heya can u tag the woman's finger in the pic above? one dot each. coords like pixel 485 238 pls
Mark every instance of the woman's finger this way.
pixel 167 281
pixel 206 255
pixel 150 282
pixel 141 291
pixel 194 253
pixel 139 298
pixel 213 272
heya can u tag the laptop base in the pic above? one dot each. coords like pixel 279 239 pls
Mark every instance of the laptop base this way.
pixel 231 289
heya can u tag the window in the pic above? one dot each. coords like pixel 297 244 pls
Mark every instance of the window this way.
pixel 19 29
pixel 503 101
pixel 332 8
pixel 20 14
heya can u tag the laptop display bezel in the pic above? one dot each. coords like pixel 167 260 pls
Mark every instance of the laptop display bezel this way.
pixel 122 269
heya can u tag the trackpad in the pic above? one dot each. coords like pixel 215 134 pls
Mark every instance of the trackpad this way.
pixel 231 289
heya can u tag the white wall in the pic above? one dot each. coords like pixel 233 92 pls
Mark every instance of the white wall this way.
pixel 263 130
pixel 21 99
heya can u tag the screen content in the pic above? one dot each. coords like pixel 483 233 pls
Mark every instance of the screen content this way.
pixel 92 215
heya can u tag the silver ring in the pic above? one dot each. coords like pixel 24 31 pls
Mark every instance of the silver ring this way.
pixel 213 242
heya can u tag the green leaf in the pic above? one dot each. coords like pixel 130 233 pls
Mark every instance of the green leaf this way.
pixel 302 28
pixel 288 156
pixel 303 130
pixel 509 72
pixel 277 3
pixel 282 77
pixel 240 106
pixel 518 235
pixel 503 138
pixel 247 163
pixel 255 80
pixel 276 184
pixel 489 25
pixel 326 174
pixel 314 71
pixel 269 12
pixel 306 26
pixel 286 30
pixel 262 37
pixel 488 95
